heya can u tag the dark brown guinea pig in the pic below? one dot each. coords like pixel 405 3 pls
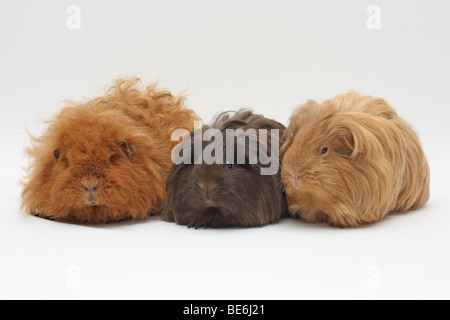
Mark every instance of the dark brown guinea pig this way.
pixel 228 174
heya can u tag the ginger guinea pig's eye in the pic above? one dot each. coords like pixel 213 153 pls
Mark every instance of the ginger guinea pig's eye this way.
pixel 324 151
pixel 59 158
pixel 229 165
pixel 56 154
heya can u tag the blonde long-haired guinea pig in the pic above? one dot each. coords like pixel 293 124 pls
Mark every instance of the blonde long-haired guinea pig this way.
pixel 106 159
pixel 351 160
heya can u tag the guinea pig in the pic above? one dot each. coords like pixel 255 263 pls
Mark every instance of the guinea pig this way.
pixel 350 161
pixel 233 190
pixel 106 159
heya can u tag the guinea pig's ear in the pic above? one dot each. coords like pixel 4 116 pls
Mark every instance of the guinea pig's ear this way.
pixel 369 135
pixel 355 138
pixel 56 155
pixel 126 148
pixel 346 145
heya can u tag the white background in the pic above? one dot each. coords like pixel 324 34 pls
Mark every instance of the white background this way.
pixel 267 55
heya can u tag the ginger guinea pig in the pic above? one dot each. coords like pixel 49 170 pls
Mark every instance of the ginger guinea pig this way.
pixel 351 160
pixel 106 159
pixel 226 178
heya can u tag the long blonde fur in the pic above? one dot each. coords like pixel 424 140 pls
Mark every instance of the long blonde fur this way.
pixel 374 166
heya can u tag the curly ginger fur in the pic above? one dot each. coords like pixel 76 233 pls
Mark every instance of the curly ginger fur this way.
pixel 107 159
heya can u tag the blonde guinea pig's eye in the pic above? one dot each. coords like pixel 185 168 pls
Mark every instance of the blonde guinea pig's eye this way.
pixel 324 151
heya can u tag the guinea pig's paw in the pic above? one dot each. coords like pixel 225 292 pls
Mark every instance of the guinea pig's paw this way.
pixel 197 226
pixel 335 224
pixel 43 216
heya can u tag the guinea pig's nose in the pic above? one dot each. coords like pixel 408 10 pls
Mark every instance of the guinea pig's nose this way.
pixel 90 187
pixel 298 177
pixel 207 189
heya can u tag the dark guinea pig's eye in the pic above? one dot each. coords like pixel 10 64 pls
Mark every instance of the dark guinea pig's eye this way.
pixel 324 151
pixel 113 158
pixel 229 165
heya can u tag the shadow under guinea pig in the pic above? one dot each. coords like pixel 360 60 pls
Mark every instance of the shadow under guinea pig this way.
pixel 229 175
